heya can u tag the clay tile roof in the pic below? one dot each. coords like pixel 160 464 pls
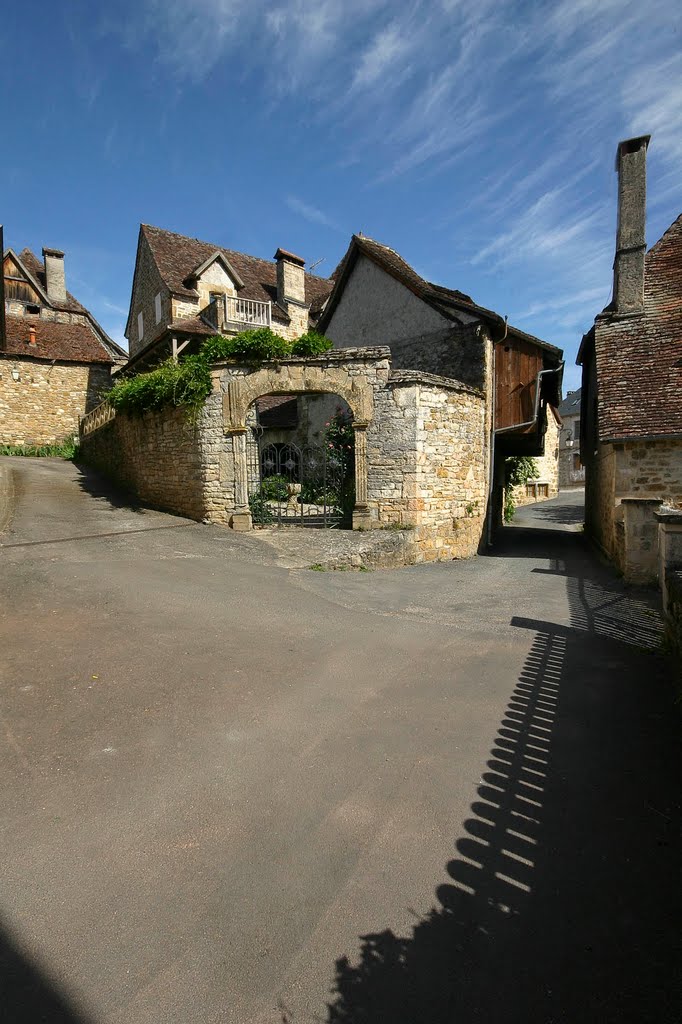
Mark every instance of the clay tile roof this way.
pixel 448 301
pixel 72 343
pixel 639 359
pixel 176 256
pixel 36 267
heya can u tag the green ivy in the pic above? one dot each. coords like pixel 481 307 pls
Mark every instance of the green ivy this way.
pixel 517 470
pixel 310 344
pixel 188 382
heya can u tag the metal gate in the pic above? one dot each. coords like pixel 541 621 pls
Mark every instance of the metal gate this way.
pixel 312 485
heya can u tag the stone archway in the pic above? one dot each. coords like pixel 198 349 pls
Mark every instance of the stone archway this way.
pixel 243 389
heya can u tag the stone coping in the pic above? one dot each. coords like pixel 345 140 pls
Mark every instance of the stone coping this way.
pixel 407 377
pixel 334 355
pixel 669 515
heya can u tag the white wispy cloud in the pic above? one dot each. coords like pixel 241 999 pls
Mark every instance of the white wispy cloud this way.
pixel 310 213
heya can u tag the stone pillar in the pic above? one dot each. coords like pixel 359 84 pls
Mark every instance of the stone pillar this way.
pixel 241 517
pixel 361 515
pixel 669 547
pixel 640 557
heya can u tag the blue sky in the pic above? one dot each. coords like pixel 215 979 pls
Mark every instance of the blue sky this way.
pixel 477 139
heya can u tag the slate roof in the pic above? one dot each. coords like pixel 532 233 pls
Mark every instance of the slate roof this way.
pixel 176 256
pixel 70 343
pixel 571 404
pixel 639 358
pixel 449 302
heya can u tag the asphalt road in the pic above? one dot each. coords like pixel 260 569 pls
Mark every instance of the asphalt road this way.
pixel 235 792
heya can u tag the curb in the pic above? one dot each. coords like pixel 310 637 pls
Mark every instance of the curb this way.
pixel 6 496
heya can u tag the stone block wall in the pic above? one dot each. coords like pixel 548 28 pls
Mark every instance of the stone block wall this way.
pixel 426 447
pixel 638 469
pixel 547 466
pixel 427 464
pixel 156 456
pixel 46 403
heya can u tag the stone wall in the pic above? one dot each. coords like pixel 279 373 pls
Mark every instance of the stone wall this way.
pixel 45 404
pixel 673 612
pixel 146 286
pixel 157 457
pixel 633 469
pixel 375 309
pixel 426 442
pixel 546 484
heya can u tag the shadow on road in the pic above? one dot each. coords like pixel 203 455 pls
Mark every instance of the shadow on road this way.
pixel 563 898
pixel 26 996
pixel 98 486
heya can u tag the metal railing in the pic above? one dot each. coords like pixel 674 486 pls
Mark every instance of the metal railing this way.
pixel 247 311
pixel 98 417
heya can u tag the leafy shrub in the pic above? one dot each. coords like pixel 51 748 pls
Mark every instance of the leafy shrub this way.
pixel 251 346
pixel 275 488
pixel 187 383
pixel 260 510
pixel 311 344
pixel 517 469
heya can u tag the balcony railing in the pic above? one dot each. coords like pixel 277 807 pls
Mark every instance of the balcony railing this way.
pixel 250 312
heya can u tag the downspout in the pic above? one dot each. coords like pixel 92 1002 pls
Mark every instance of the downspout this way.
pixel 530 423
pixel 491 445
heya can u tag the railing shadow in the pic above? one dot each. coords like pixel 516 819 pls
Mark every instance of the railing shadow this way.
pixel 26 995
pixel 563 900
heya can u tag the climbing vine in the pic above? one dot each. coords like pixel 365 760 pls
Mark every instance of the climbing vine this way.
pixel 187 383
pixel 517 470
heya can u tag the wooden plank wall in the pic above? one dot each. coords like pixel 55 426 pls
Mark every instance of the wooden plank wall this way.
pixel 517 365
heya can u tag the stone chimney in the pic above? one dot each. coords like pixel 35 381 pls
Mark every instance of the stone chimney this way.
pixel 290 278
pixel 54 275
pixel 628 267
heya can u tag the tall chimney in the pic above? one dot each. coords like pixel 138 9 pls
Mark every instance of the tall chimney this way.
pixel 628 267
pixel 54 274
pixel 290 278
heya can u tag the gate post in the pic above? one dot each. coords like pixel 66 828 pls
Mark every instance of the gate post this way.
pixel 361 515
pixel 241 517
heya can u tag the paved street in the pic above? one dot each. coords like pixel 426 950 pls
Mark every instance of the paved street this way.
pixel 239 793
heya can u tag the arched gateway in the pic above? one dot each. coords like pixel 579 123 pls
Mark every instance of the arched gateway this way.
pixel 241 389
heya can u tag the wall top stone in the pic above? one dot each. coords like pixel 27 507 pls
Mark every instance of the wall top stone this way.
pixel 334 356
pixel 409 378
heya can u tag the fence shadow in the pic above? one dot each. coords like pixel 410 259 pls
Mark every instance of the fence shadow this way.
pixel 563 897
pixel 26 995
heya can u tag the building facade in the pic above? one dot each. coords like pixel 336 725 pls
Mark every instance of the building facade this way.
pixel 631 422
pixel 55 359
pixel 185 290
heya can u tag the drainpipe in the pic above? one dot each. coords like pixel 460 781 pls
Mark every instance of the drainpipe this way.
pixel 491 456
pixel 530 423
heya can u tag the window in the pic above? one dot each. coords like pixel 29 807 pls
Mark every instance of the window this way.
pixel 157 307
pixel 140 327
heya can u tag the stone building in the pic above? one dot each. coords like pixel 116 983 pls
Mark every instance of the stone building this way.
pixel 571 469
pixel 55 359
pixel 420 447
pixel 185 290
pixel 379 299
pixel 631 423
